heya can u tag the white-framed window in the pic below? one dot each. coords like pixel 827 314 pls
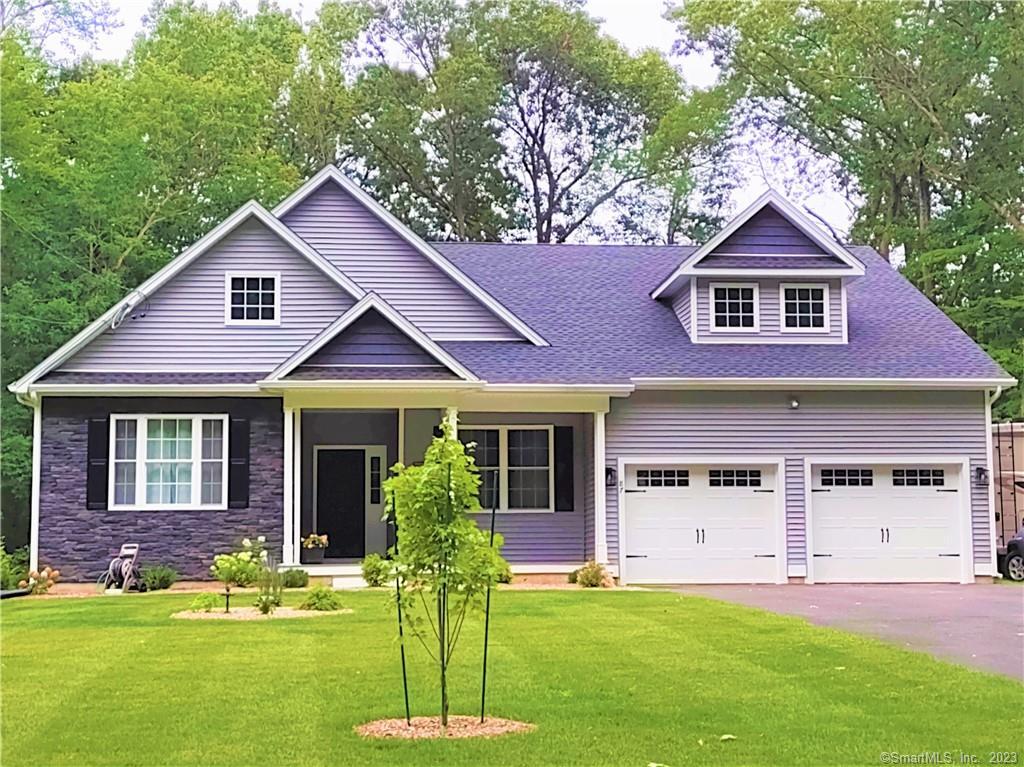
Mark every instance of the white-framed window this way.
pixel 172 461
pixel 662 477
pixel 843 477
pixel 803 307
pixel 734 477
pixel 525 459
pixel 918 477
pixel 252 298
pixel 734 307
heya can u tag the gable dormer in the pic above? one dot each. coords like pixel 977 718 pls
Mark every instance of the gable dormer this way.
pixel 771 275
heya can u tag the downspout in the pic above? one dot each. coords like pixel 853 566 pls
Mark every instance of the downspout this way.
pixel 990 400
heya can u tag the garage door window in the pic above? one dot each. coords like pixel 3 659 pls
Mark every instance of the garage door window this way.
pixel 735 477
pixel 662 478
pixel 918 477
pixel 847 477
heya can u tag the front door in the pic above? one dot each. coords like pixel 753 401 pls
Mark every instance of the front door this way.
pixel 341 501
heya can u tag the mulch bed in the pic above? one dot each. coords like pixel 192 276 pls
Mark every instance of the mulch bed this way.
pixel 252 614
pixel 430 727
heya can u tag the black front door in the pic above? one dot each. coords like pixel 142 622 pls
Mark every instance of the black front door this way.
pixel 341 501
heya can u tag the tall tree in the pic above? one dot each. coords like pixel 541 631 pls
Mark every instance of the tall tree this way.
pixel 585 120
pixel 109 170
pixel 920 103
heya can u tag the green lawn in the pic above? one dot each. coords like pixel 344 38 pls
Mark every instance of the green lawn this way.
pixel 610 678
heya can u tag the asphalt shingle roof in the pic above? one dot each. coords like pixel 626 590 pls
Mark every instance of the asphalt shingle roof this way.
pixel 592 304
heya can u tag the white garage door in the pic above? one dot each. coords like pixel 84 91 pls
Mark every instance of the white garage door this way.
pixel 886 523
pixel 700 524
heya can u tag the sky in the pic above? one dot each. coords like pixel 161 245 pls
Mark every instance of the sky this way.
pixel 637 24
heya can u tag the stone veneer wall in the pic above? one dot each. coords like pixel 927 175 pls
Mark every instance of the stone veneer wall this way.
pixel 81 542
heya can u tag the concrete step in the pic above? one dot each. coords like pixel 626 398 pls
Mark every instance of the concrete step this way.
pixel 348 582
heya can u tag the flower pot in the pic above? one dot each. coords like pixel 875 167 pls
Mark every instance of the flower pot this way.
pixel 313 556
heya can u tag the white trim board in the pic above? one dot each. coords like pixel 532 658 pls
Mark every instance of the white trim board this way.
pixel 795 216
pixel 251 209
pixel 331 173
pixel 368 302
pixel 778 462
pixel 962 462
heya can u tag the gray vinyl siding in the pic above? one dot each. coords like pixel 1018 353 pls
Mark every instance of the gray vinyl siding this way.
pixel 768 232
pixel 363 247
pixel 182 328
pixel 542 537
pixel 681 306
pixel 826 423
pixel 771 314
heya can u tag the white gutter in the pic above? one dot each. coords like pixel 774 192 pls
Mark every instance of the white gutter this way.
pixel 969 384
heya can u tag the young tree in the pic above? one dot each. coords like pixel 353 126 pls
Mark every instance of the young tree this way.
pixel 444 560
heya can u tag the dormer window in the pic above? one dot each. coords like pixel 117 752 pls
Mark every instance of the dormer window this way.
pixel 252 298
pixel 804 308
pixel 734 307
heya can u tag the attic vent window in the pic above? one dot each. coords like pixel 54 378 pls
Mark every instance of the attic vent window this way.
pixel 252 298
pixel 734 308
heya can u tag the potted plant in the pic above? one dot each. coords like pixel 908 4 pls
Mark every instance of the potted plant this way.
pixel 314 545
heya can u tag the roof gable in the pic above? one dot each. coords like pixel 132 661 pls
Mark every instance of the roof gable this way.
pixel 768 233
pixel 770 236
pixel 373 336
pixel 252 211
pixel 363 240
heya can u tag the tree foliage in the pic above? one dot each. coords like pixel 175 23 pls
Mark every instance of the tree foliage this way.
pixel 921 104
pixel 444 561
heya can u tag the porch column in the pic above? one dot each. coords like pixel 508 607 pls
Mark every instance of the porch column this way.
pixel 600 514
pixel 297 487
pixel 287 547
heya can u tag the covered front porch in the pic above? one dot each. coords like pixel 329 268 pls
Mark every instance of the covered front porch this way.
pixel 547 450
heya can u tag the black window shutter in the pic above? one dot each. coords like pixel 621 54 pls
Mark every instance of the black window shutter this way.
pixel 238 464
pixel 98 450
pixel 564 496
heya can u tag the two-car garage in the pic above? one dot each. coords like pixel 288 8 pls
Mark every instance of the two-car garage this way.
pixel 725 521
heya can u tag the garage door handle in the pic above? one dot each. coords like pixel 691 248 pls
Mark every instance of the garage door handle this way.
pixel 949 555
pixel 823 555
pixel 820 490
pixel 945 490
pixel 636 556
pixel 636 491
pixel 764 491
pixel 764 556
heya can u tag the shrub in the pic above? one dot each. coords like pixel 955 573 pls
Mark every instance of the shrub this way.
pixel 376 570
pixel 321 598
pixel 41 581
pixel 504 572
pixel 13 566
pixel 593 575
pixel 268 594
pixel 158 577
pixel 574 575
pixel 204 603
pixel 240 568
pixel 294 579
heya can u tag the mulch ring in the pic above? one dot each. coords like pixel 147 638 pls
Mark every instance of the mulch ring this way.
pixel 252 614
pixel 430 727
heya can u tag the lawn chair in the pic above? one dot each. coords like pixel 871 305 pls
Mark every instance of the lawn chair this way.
pixel 123 571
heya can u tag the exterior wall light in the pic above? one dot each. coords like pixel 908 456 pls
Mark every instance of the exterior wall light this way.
pixel 610 476
pixel 794 403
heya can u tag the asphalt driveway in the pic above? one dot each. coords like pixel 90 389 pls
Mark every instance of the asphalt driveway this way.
pixel 980 625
